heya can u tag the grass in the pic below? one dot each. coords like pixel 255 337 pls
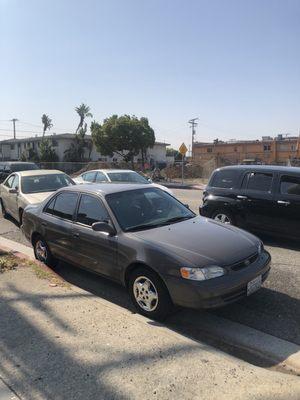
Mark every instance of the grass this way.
pixel 10 262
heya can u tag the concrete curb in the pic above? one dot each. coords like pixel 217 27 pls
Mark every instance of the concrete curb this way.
pixel 283 354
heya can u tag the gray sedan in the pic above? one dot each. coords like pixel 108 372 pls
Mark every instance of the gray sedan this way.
pixel 147 240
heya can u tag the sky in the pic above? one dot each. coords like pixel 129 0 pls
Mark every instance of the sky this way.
pixel 234 64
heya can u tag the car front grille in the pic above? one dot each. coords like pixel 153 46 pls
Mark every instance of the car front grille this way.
pixel 245 263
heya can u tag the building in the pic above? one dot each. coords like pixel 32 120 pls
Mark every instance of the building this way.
pixel 12 149
pixel 280 150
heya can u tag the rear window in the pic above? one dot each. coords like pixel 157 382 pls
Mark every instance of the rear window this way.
pixel 23 167
pixel 290 185
pixel 258 181
pixel 224 179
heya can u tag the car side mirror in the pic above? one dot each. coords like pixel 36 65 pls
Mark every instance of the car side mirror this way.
pixel 13 191
pixel 103 227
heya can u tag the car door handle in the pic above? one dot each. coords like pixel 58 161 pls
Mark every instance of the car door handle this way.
pixel 284 203
pixel 76 235
pixel 242 197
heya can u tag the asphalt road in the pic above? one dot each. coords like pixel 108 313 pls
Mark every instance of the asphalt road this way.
pixel 275 309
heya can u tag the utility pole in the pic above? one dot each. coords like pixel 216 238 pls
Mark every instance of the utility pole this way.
pixel 193 125
pixel 14 120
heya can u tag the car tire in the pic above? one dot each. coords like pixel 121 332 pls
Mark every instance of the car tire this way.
pixel 223 216
pixel 42 252
pixel 149 294
pixel 3 210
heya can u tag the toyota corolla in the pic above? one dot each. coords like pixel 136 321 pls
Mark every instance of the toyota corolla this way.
pixel 147 240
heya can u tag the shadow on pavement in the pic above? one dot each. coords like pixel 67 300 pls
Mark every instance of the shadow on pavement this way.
pixel 268 311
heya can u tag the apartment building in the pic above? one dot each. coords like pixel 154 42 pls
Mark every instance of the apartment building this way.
pixel 279 150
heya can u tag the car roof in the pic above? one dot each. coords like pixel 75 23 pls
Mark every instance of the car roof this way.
pixel 36 172
pixel 278 168
pixel 110 170
pixel 17 162
pixel 105 188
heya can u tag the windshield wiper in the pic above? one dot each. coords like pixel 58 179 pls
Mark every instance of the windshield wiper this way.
pixel 141 227
pixel 176 219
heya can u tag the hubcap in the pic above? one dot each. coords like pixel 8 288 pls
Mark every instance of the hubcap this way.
pixel 145 293
pixel 41 250
pixel 223 218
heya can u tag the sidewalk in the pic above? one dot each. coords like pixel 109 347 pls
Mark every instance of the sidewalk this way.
pixel 61 343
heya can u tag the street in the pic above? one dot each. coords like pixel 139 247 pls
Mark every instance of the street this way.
pixel 275 309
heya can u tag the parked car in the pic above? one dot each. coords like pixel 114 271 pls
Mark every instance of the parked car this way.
pixel 29 187
pixel 147 240
pixel 255 197
pixel 7 167
pixel 116 176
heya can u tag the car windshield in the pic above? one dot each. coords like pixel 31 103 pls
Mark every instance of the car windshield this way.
pixel 128 177
pixel 146 208
pixel 44 183
pixel 23 167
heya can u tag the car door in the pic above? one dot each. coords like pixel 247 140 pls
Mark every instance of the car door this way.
pixel 14 197
pixel 256 198
pixel 287 197
pixel 8 198
pixel 94 250
pixel 57 224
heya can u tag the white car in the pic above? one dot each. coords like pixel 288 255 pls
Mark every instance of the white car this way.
pixel 116 176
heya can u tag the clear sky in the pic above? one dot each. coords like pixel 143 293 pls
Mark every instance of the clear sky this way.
pixel 235 64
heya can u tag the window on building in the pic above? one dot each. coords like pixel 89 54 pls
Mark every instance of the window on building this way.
pixel 209 150
pixel 293 147
pixel 267 147
pixel 91 210
pixel 258 181
pixel 12 146
pixel 235 149
pixel 290 185
pixel 54 143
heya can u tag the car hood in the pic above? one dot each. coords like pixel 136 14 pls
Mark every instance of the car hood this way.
pixel 35 198
pixel 202 241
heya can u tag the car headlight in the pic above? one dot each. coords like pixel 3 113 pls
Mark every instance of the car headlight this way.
pixel 202 274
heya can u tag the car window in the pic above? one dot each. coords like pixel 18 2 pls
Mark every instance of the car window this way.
pixel 16 183
pixel 45 183
pixel 1 167
pixel 23 167
pixel 7 168
pixel 65 204
pixel 10 181
pixel 224 179
pixel 91 210
pixel 258 181
pixel 50 206
pixel 100 177
pixel 89 176
pixel 129 177
pixel 290 185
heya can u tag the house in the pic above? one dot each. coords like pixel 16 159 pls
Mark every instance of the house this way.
pixel 12 149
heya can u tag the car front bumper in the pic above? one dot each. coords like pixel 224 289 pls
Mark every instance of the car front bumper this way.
pixel 218 292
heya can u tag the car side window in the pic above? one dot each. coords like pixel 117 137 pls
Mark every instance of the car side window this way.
pixel 290 185
pixel 10 181
pixel 89 176
pixel 50 206
pixel 16 183
pixel 258 181
pixel 224 179
pixel 100 177
pixel 91 210
pixel 64 206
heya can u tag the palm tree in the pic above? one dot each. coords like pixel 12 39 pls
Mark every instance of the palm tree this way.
pixel 84 112
pixel 47 123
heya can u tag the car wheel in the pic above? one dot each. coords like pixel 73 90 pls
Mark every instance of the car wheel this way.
pixel 149 294
pixel 3 210
pixel 223 216
pixel 42 252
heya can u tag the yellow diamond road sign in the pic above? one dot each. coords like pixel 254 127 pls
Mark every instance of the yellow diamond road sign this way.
pixel 183 149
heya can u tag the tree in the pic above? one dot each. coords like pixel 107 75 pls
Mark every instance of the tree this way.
pixel 47 152
pixel 173 153
pixel 84 112
pixel 47 123
pixel 125 135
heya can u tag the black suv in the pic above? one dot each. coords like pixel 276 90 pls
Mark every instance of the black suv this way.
pixel 256 197
pixel 7 167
